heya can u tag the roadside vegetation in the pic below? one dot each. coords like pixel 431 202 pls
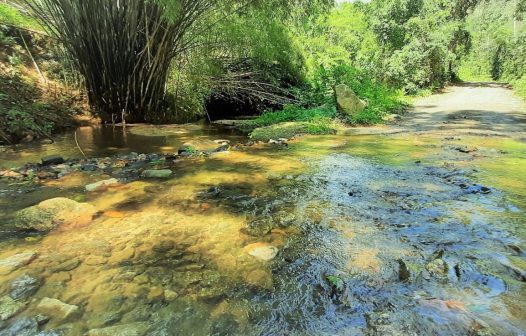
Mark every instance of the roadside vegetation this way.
pixel 497 44
pixel 179 61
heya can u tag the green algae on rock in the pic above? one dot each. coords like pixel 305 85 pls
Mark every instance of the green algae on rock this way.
pixel 53 212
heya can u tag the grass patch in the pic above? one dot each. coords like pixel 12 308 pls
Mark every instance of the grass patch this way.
pixel 12 16
pixel 288 130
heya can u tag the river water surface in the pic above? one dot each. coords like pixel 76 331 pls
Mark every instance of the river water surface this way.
pixel 374 234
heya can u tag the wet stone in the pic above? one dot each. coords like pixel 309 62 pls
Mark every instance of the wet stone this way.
pixel 90 167
pixel 262 252
pixel 101 185
pixel 52 160
pixel 403 271
pixel 104 319
pixel 68 265
pixel 477 189
pixel 170 295
pixel 9 307
pixel 21 327
pixel 56 309
pixel 157 174
pixel 49 213
pixel 42 319
pixel 155 294
pixel 259 227
pixel 23 287
pixel 16 261
pixel 437 267
pixel 131 329
pixel 164 246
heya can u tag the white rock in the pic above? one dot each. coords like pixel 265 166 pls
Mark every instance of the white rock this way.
pixel 262 252
pixel 101 184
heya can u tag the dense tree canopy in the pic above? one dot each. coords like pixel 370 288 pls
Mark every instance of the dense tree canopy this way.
pixel 170 60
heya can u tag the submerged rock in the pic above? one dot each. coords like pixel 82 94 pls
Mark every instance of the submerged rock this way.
pixel 222 148
pixel 259 227
pixel 101 185
pixel 403 271
pixel 23 287
pixel 53 212
pixel 262 251
pixel 16 261
pixel 437 267
pixel 131 329
pixel 347 101
pixel 52 160
pixel 9 307
pixel 477 189
pixel 157 173
pixel 22 327
pixel 56 309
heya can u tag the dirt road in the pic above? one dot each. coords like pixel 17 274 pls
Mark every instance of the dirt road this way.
pixel 468 108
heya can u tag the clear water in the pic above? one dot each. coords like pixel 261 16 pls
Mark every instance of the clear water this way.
pixel 359 222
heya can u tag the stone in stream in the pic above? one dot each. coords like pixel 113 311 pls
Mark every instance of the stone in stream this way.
pixel 56 309
pixel 222 148
pixel 9 307
pixel 437 267
pixel 131 329
pixel 21 327
pixel 157 173
pixel 262 251
pixel 90 167
pixel 403 272
pixel 259 227
pixel 53 212
pixel 477 189
pixel 67 265
pixel 23 287
pixel 16 261
pixel 101 185
pixel 52 160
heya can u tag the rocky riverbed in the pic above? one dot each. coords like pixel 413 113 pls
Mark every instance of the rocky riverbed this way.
pixel 361 235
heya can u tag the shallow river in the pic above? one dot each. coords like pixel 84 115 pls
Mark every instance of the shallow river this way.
pixel 374 234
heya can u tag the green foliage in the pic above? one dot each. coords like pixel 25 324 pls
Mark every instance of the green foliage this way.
pixel 25 111
pixel 12 16
pixel 498 44
pixel 22 122
pixel 520 86
pixel 336 282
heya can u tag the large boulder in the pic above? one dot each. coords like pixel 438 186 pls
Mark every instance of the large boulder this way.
pixel 48 214
pixel 347 101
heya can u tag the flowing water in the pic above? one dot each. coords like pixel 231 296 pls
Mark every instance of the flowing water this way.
pixel 375 235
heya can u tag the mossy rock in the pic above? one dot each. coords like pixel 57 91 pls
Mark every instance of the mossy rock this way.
pixel 287 130
pixel 56 211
